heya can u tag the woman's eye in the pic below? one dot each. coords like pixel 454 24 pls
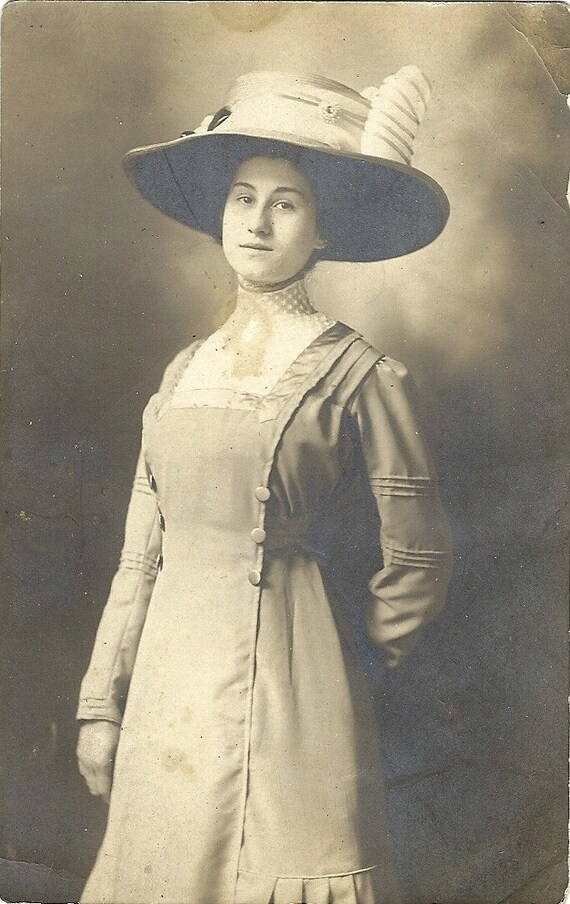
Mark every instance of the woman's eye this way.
pixel 245 199
pixel 284 205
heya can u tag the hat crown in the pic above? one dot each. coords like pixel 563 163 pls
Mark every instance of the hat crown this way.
pixel 308 88
pixel 314 111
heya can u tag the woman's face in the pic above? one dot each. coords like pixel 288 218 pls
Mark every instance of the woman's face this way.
pixel 269 226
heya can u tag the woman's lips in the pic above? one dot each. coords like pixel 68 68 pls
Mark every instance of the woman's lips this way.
pixel 257 247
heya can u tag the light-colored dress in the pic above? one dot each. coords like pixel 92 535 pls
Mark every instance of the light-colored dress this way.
pixel 248 769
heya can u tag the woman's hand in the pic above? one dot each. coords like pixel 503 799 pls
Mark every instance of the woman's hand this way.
pixel 96 750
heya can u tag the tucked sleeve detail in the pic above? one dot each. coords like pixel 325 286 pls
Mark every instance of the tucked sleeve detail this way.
pixel 401 486
pixel 425 558
pixel 105 685
pixel 106 682
pixel 411 587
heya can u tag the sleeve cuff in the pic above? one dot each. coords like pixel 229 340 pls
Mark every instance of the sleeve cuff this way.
pixel 94 710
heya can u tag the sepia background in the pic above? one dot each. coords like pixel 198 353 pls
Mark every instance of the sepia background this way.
pixel 100 291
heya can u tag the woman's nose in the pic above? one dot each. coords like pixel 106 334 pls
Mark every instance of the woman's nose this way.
pixel 259 222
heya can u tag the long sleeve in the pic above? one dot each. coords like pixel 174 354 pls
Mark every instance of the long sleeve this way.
pixel 106 682
pixel 104 687
pixel 411 588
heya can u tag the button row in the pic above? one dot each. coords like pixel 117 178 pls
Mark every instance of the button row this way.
pixel 258 535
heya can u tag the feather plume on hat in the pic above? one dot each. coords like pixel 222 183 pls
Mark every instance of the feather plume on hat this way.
pixel 397 109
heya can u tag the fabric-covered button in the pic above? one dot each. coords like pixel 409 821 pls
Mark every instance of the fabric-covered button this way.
pixel 254 577
pixel 159 562
pixel 258 535
pixel 152 482
pixel 262 493
pixel 161 521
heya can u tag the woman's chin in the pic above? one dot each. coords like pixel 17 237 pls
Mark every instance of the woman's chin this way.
pixel 258 279
pixel 261 276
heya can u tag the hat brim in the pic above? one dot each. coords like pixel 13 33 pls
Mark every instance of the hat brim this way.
pixel 376 209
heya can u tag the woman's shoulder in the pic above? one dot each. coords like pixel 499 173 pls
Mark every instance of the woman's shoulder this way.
pixel 170 377
pixel 374 378
pixel 381 368
pixel 175 368
pixel 365 372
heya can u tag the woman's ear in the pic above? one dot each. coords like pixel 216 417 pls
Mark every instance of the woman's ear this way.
pixel 320 243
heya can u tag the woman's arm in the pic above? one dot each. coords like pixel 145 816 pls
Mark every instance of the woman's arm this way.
pixel 105 685
pixel 411 588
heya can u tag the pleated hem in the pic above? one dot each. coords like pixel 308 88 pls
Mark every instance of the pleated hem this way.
pixel 350 888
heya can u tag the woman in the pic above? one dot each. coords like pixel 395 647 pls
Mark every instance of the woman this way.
pixel 248 766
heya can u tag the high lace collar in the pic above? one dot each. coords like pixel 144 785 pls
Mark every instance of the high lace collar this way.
pixel 289 298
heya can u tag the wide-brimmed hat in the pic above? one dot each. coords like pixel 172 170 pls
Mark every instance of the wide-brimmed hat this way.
pixel 354 147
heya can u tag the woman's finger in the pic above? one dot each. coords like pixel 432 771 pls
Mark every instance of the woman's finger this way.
pixel 98 781
pixel 102 785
